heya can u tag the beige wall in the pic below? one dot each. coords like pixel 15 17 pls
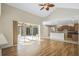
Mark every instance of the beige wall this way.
pixel 0 9
pixel 9 14
pixel 0 13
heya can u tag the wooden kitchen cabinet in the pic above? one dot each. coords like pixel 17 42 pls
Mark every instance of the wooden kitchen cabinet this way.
pixel 76 27
pixel 75 38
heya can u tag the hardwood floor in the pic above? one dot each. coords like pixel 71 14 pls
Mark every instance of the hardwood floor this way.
pixel 42 48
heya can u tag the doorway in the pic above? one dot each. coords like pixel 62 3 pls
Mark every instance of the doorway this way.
pixel 28 32
pixel 25 32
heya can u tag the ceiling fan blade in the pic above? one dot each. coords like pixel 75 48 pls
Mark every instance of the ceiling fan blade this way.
pixel 42 8
pixel 46 6
pixel 41 5
pixel 51 5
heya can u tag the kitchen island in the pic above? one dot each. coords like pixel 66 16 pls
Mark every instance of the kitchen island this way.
pixel 57 36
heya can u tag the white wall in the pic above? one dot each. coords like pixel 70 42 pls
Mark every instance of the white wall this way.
pixel 9 14
pixel 45 32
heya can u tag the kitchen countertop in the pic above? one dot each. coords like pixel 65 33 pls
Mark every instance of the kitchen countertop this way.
pixel 73 32
pixel 57 32
pixel 70 32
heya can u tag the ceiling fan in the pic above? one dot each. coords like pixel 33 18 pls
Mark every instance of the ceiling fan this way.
pixel 46 6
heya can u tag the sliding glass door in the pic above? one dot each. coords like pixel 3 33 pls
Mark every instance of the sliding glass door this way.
pixel 28 32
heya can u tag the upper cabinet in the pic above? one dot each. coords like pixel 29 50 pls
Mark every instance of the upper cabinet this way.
pixel 0 9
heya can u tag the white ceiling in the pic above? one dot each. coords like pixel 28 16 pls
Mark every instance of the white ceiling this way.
pixel 34 8
pixel 64 21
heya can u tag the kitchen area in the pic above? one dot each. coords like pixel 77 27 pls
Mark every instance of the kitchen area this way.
pixel 65 30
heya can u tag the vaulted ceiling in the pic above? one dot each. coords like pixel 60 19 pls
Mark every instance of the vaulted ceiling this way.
pixel 34 8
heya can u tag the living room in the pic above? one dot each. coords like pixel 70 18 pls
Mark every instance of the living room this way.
pixel 52 23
